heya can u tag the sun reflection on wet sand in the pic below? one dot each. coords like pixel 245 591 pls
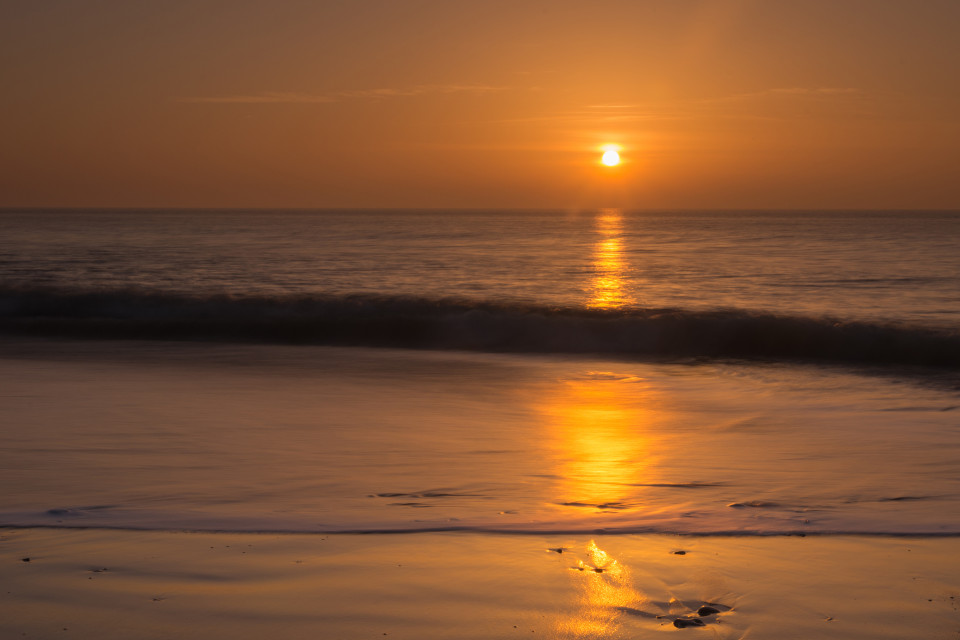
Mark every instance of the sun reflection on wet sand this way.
pixel 599 434
pixel 608 285
pixel 617 600
pixel 605 591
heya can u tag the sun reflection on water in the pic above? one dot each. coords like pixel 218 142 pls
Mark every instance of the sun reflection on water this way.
pixel 608 290
pixel 600 439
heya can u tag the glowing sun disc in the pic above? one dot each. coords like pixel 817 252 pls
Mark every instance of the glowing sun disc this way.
pixel 610 158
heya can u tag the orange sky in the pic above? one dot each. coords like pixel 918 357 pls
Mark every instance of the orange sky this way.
pixel 396 103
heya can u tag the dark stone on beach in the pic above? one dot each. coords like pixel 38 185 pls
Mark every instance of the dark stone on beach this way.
pixel 707 611
pixel 598 570
pixel 24 559
pixel 679 552
pixel 683 623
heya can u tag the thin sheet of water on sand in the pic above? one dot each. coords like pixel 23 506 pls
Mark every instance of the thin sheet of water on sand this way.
pixel 262 438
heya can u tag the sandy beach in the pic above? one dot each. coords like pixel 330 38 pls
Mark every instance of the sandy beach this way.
pixel 479 320
pixel 488 497
pixel 129 584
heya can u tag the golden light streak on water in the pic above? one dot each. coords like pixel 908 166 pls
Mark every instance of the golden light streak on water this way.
pixel 600 440
pixel 608 283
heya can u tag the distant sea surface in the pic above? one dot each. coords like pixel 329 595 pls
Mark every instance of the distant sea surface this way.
pixel 538 371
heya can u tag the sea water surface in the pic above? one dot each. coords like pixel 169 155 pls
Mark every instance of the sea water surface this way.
pixel 693 372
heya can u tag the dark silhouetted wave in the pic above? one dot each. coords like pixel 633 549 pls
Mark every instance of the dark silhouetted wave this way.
pixel 459 324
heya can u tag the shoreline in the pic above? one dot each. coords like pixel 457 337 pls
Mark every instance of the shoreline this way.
pixel 484 531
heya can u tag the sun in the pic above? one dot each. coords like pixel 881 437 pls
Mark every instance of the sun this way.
pixel 610 157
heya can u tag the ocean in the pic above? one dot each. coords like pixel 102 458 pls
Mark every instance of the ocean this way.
pixel 711 373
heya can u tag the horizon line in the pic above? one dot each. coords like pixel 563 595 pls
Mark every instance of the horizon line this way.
pixel 35 208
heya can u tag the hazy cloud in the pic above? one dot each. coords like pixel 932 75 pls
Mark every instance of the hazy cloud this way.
pixel 821 91
pixel 787 91
pixel 274 97
pixel 263 98
pixel 776 103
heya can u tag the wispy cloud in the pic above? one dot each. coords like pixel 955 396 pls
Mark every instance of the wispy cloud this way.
pixel 779 103
pixel 420 90
pixel 811 92
pixel 817 91
pixel 606 114
pixel 276 97
pixel 269 97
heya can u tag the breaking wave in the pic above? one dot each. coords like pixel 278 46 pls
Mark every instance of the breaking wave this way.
pixel 406 322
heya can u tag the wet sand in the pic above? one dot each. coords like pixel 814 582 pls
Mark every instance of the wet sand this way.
pixel 130 584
